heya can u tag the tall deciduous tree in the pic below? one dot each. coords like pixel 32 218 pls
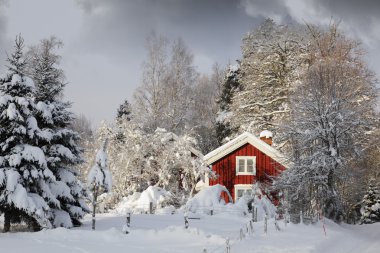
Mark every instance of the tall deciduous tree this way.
pixel 204 108
pixel 166 93
pixel 331 123
pixel 149 97
pixel 273 61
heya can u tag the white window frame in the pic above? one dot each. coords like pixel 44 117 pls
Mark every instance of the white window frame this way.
pixel 244 187
pixel 245 158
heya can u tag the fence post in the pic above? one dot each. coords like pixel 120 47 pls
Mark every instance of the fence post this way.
pixel 286 217
pixel 212 212
pixel 276 223
pixel 265 224
pixel 126 227
pixel 151 207
pixel 186 221
pixel 301 217
pixel 256 214
pixel 227 245
pixel 241 234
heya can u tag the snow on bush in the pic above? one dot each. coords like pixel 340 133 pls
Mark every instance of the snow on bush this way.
pixel 210 198
pixel 139 202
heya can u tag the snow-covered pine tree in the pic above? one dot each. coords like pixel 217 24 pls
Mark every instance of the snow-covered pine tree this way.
pixel 62 150
pixel 371 205
pixel 25 177
pixel 99 178
pixel 231 84
pixel 272 63
pixel 124 110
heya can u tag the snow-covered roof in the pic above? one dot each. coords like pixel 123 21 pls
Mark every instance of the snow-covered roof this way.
pixel 241 140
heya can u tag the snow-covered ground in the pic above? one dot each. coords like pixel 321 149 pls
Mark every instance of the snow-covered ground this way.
pixel 166 233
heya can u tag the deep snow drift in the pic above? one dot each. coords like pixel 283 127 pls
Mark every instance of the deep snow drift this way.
pixel 166 233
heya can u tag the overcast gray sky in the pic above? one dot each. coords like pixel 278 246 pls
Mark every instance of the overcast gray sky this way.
pixel 104 40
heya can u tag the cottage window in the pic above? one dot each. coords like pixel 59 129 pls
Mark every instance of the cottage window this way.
pixel 246 165
pixel 242 190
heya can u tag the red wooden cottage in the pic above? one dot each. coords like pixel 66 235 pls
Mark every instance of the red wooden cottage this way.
pixel 244 161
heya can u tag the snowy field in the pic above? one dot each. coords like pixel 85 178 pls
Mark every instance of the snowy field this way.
pixel 166 233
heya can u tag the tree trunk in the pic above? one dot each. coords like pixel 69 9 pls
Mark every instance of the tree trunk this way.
pixel 7 221
pixel 94 200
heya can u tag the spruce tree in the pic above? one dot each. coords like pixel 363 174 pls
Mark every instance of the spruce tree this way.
pixel 231 84
pixel 371 205
pixel 25 177
pixel 124 111
pixel 62 150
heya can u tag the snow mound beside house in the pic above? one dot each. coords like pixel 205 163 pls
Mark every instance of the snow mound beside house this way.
pixel 209 198
pixel 139 202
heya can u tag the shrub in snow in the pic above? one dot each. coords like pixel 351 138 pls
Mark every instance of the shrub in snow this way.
pixel 210 198
pixel 99 178
pixel 371 205
pixel 162 159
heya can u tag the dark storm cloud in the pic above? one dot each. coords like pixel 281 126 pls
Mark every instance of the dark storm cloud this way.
pixel 210 28
pixel 3 27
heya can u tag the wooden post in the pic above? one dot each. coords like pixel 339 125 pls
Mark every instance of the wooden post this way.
pixel 276 223
pixel 301 217
pixel 212 212
pixel 228 245
pixel 7 221
pixel 265 224
pixel 151 207
pixel 251 226
pixel 128 219
pixel 286 218
pixel 126 227
pixel 253 214
pixel 186 221
pixel 256 214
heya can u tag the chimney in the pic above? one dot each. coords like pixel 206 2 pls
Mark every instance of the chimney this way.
pixel 266 136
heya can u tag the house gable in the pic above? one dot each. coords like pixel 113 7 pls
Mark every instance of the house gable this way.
pixel 240 141
pixel 224 162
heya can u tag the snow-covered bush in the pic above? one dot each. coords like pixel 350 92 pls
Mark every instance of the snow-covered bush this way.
pixel 140 202
pixel 99 179
pixel 371 205
pixel 162 159
pixel 209 198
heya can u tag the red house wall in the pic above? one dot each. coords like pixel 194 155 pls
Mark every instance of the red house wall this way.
pixel 225 168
